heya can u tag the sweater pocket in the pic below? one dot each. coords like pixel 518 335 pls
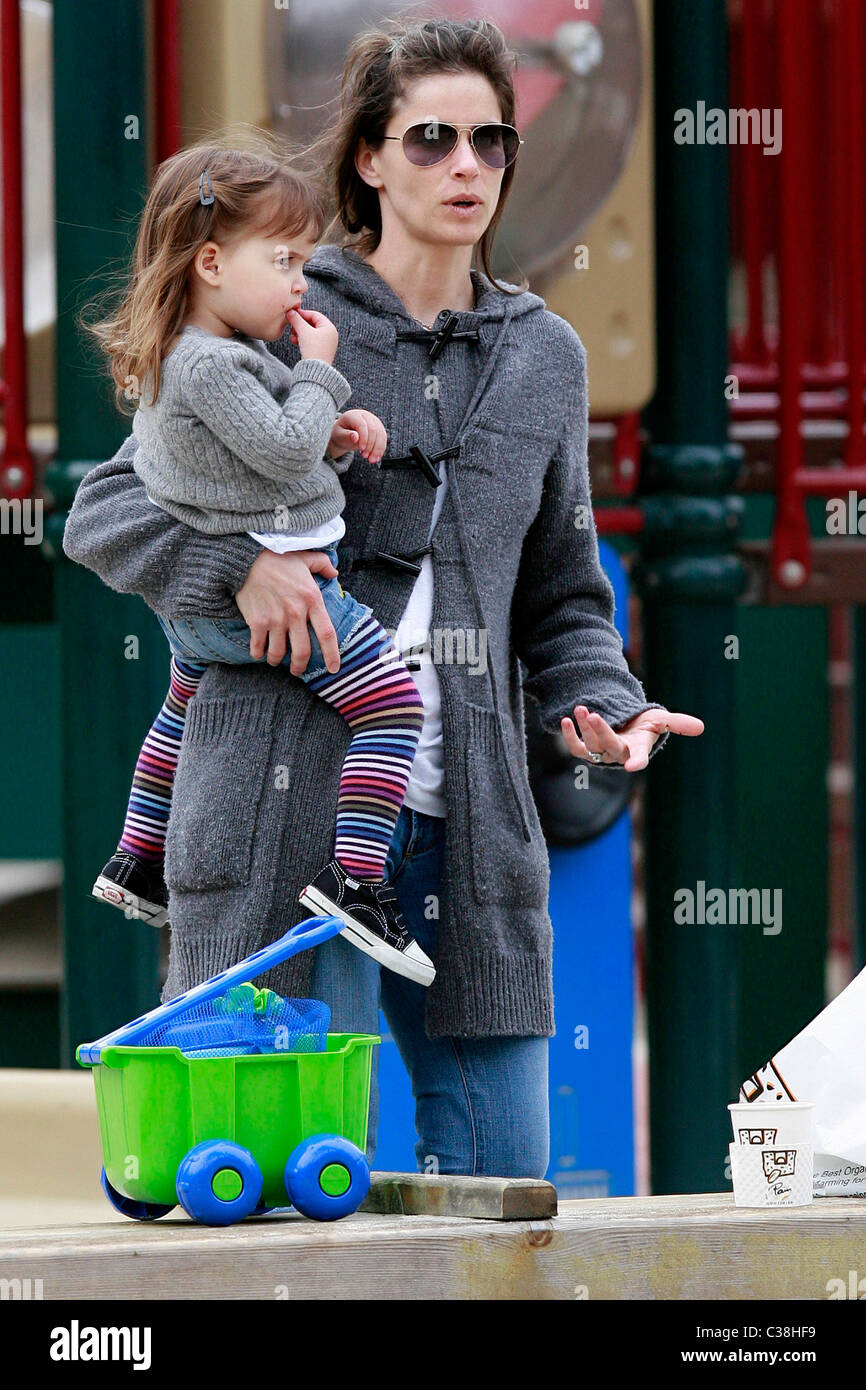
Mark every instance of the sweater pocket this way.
pixel 225 757
pixel 505 866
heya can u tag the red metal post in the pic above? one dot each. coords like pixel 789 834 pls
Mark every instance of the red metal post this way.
pixel 791 559
pixel 754 32
pixel 16 467
pixel 851 81
pixel 620 521
pixel 166 78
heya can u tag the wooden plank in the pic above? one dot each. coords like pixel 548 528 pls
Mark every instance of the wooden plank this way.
pixel 699 1247
pixel 49 1139
pixel 491 1199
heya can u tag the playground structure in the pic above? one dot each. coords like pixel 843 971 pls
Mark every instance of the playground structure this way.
pixel 728 406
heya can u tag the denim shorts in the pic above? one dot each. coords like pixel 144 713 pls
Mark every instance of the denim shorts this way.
pixel 228 639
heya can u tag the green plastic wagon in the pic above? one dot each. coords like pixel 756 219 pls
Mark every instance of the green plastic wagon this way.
pixel 237 1135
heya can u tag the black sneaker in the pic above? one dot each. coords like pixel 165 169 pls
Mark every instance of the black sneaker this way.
pixel 134 885
pixel 373 921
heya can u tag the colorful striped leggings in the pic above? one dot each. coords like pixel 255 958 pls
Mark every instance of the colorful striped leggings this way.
pixel 373 691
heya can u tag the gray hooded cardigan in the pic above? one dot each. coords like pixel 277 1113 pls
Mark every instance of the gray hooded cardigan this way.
pixel 504 393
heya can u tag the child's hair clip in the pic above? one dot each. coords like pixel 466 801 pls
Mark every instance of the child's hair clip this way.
pixel 205 200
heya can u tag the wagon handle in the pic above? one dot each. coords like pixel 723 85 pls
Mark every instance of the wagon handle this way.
pixel 311 932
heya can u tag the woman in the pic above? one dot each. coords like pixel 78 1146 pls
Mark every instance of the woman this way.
pixel 468 534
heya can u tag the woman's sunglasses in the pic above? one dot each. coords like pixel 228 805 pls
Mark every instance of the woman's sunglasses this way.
pixel 429 142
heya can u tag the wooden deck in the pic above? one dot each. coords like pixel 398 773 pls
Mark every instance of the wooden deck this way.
pixel 615 1248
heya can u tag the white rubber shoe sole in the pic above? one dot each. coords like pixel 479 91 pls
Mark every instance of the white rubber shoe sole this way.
pixel 110 892
pixel 413 963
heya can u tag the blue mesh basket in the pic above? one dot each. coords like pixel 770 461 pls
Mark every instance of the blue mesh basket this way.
pixel 245 1020
pixel 226 1015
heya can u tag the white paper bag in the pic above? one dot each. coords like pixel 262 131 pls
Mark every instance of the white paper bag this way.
pixel 826 1064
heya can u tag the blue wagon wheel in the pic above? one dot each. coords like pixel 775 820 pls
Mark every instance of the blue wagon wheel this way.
pixel 130 1206
pixel 326 1177
pixel 218 1182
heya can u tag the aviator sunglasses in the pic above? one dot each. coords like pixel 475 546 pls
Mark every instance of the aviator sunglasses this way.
pixel 429 142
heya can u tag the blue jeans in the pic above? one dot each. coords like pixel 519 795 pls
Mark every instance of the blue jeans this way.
pixel 481 1104
pixel 228 639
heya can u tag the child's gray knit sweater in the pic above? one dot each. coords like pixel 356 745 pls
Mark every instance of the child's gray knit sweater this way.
pixel 236 440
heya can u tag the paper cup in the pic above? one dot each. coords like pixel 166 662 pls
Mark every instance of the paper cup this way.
pixel 783 1124
pixel 767 1176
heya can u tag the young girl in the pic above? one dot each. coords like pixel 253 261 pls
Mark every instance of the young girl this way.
pixel 230 440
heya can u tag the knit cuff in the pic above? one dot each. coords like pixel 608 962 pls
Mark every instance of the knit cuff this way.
pixel 342 463
pixel 219 561
pixel 323 374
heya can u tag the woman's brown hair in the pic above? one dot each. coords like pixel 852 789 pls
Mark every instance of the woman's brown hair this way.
pixel 380 64
pixel 257 191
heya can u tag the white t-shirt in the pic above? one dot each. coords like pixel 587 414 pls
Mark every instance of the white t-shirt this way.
pixel 427 776
pixel 327 534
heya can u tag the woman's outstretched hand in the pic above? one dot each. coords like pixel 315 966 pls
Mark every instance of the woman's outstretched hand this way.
pixel 280 595
pixel 632 745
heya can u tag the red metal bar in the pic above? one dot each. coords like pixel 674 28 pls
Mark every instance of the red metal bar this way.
pixel 851 80
pixel 811 287
pixel 626 454
pixel 791 558
pixel 839 177
pixel 166 78
pixel 816 481
pixel 825 349
pixel 621 520
pixel 814 405
pixel 754 30
pixel 16 466
pixel 752 182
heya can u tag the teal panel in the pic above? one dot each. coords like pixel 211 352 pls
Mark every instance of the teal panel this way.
pixel 30 766
pixel 782 751
pixel 30 1028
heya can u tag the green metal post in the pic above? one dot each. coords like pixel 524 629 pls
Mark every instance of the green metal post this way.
pixel 689 578
pixel 109 700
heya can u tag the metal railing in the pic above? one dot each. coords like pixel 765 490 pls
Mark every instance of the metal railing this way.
pixel 798 230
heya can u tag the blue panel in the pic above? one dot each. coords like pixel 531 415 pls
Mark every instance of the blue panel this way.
pixel 591 1125
pixel 591 1096
pixel 395 1151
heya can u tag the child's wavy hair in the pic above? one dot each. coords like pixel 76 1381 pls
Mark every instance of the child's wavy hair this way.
pixel 257 191
pixel 380 64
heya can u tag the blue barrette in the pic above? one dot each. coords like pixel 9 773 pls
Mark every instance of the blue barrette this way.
pixel 206 201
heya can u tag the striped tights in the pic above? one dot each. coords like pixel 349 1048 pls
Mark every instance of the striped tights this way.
pixel 375 694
